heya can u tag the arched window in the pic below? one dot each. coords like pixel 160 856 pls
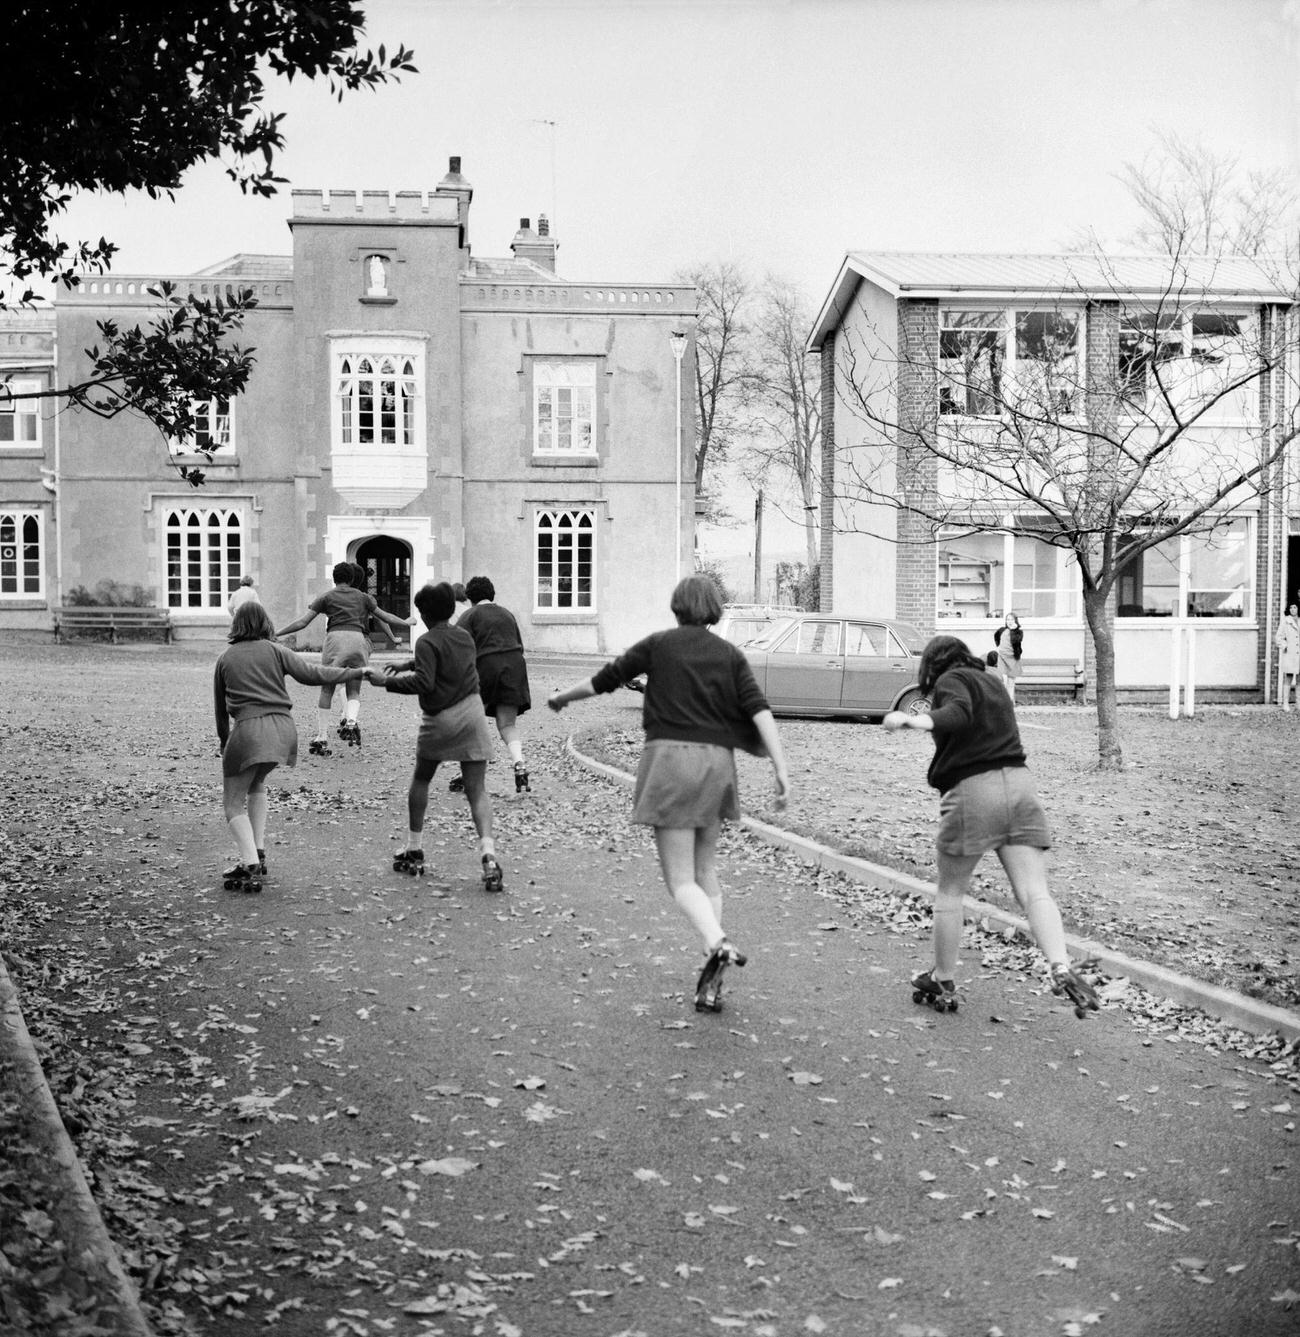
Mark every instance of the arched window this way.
pixel 564 561
pixel 20 555
pixel 205 557
pixel 376 400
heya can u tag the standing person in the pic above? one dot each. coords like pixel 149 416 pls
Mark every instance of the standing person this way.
pixel 502 671
pixel 246 593
pixel 1010 641
pixel 347 612
pixel 453 727
pixel 987 802
pixel 1288 655
pixel 701 702
pixel 248 689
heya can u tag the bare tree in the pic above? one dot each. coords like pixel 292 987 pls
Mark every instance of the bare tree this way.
pixel 724 376
pixel 1194 201
pixel 785 405
pixel 1107 466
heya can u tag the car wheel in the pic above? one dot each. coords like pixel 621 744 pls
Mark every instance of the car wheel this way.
pixel 913 703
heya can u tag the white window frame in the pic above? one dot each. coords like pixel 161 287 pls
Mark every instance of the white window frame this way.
pixel 13 552
pixel 214 429
pixel 1005 321
pixel 193 539
pixel 1012 597
pixel 359 370
pixel 1175 333
pixel 556 529
pixel 568 382
pixel 1182 558
pixel 21 411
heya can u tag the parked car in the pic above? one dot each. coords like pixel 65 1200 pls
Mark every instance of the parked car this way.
pixel 743 622
pixel 844 664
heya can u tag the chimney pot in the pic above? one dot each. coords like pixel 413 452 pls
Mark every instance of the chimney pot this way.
pixel 455 165
pixel 543 226
pixel 524 224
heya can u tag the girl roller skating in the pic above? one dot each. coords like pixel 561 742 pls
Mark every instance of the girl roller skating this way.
pixel 256 731
pixel 701 702
pixel 453 727
pixel 348 611
pixel 988 802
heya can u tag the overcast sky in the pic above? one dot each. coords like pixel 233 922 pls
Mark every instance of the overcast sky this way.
pixel 777 133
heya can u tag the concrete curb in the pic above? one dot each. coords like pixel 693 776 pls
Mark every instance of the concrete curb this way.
pixel 91 1255
pixel 1235 1009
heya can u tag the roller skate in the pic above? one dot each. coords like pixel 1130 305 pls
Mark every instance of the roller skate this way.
pixel 410 862
pixel 493 877
pixel 1064 980
pixel 938 994
pixel 242 877
pixel 457 785
pixel 708 988
pixel 320 747
pixel 350 733
pixel 521 779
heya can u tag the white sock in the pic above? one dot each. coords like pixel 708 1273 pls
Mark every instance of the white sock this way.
pixel 352 711
pixel 516 752
pixel 323 722
pixel 415 840
pixel 242 830
pixel 487 846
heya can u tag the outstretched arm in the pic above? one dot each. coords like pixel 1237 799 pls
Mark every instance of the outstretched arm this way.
pixel 579 691
pixel 297 624
pixel 394 621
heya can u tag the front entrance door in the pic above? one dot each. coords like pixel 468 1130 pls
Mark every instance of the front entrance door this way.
pixel 387 562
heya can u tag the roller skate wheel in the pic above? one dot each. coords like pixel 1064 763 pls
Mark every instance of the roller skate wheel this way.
pixel 917 996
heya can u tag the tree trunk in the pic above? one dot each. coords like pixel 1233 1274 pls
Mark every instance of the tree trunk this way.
pixel 1100 615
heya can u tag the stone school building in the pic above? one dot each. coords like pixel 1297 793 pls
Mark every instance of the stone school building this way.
pixel 427 413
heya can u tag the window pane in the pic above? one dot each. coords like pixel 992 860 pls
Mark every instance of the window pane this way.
pixel 972 354
pixel 1149 588
pixel 1218 583
pixel 972 576
pixel 1043 582
pixel 1047 364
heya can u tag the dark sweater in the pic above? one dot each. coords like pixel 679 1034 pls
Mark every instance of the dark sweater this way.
pixel 699 688
pixel 248 681
pixel 442 673
pixel 493 628
pixel 975 727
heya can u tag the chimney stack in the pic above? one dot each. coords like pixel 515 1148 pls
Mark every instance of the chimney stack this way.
pixel 455 185
pixel 539 246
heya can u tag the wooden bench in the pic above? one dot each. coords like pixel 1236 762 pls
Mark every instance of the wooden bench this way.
pixel 112 622
pixel 1051 673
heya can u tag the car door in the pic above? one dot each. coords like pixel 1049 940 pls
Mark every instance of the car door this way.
pixel 804 668
pixel 876 668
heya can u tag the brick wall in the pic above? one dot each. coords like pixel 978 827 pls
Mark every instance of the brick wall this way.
pixel 1271 529
pixel 918 407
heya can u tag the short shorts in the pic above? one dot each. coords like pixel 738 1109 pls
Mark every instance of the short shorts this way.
pixel 685 786
pixel 994 808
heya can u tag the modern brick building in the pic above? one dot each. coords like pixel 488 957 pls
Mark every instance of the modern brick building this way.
pixel 428 413
pixel 919 348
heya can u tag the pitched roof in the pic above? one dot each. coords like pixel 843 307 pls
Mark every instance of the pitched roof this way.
pixel 250 266
pixel 510 268
pixel 1036 277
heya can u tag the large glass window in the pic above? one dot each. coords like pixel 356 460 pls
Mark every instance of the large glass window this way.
pixel 1028 356
pixel 989 575
pixel 1197 575
pixel 1190 357
pixel 375 399
pixel 205 557
pixel 214 423
pixel 20 555
pixel 564 406
pixel 565 561
pixel 20 419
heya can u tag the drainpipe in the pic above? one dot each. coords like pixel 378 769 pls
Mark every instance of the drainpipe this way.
pixel 52 482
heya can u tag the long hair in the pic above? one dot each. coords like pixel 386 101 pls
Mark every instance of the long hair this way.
pixel 251 623
pixel 941 654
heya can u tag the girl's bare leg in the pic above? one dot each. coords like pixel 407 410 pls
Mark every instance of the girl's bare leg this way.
pixel 676 846
pixel 1027 868
pixel 954 883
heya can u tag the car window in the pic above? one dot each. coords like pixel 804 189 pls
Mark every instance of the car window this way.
pixel 913 641
pixel 817 638
pixel 775 635
pixel 743 629
pixel 897 647
pixel 866 638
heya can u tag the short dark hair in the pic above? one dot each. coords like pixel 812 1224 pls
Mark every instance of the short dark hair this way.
pixel 941 654
pixel 342 573
pixel 359 576
pixel 458 590
pixel 695 602
pixel 435 603
pixel 251 623
pixel 479 588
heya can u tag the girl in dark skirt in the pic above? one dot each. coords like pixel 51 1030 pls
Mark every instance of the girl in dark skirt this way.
pixel 701 702
pixel 248 689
